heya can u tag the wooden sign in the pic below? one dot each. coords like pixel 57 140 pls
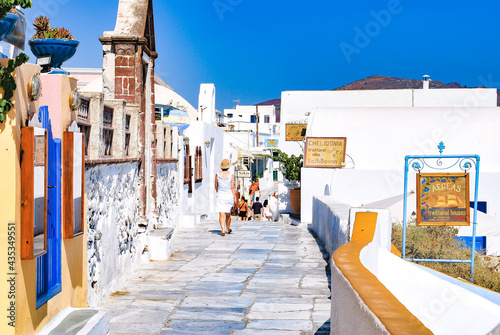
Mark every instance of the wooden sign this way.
pixel 325 152
pixel 244 174
pixel 443 199
pixel 295 132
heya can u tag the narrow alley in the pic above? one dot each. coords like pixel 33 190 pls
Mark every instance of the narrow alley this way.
pixel 264 278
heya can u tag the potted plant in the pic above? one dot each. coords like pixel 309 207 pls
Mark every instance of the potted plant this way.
pixel 7 6
pixel 290 167
pixel 9 16
pixel 58 43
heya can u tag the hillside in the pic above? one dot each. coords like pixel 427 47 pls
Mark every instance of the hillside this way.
pixel 385 83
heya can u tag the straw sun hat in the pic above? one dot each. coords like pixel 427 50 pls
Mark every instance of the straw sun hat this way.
pixel 226 164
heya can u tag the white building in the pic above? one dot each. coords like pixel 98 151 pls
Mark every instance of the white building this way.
pixel 253 129
pixel 384 126
pixel 244 118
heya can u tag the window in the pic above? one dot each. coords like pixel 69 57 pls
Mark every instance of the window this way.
pixel 267 119
pixel 158 113
pixel 84 122
pixel 107 131
pixel 172 144
pixel 198 166
pixel 165 153
pixel 252 118
pixel 127 134
pixel 187 168
pixel 230 115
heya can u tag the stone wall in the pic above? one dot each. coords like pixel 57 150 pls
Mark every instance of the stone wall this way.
pixel 167 201
pixel 116 239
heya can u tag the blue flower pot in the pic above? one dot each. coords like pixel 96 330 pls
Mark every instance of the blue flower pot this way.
pixel 58 50
pixel 7 25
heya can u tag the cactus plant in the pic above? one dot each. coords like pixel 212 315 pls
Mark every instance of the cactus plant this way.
pixel 44 30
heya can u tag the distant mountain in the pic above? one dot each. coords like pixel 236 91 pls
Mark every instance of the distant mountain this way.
pixel 387 83
pixel 276 102
pixel 390 83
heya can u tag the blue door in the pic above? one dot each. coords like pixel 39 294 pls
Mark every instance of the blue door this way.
pixel 48 266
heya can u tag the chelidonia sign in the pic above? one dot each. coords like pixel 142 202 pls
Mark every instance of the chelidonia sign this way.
pixel 443 199
pixel 325 152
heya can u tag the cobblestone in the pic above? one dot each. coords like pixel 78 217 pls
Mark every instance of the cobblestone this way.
pixel 263 278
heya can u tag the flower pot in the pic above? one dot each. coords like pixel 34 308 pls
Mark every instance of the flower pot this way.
pixel 7 26
pixel 295 200
pixel 59 51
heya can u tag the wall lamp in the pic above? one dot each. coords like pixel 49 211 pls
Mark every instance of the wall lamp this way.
pixel 207 144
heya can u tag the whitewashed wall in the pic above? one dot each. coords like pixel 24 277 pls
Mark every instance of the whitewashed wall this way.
pixel 116 239
pixel 378 139
pixel 202 200
pixel 330 223
pixel 167 190
pixel 443 304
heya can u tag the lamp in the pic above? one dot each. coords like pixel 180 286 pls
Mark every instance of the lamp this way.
pixel 34 87
pixel 207 143
pixel 75 100
pixel 186 140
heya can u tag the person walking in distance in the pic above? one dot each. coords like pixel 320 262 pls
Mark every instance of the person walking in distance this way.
pixel 226 196
pixel 257 209
pixel 243 208
pixel 267 212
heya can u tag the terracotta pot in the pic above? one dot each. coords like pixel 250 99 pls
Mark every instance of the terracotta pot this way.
pixel 295 200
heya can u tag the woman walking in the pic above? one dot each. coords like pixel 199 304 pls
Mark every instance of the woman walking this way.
pixel 243 208
pixel 268 213
pixel 226 196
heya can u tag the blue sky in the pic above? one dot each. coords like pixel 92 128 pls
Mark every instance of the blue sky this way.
pixel 252 50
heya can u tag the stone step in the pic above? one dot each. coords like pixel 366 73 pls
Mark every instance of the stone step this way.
pixel 78 321
pixel 161 244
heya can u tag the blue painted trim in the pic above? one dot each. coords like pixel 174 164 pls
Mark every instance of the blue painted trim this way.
pixel 48 266
pixel 476 188
pixel 439 260
pixel 42 300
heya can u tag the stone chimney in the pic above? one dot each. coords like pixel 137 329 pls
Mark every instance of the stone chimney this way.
pixel 425 82
pixel 129 55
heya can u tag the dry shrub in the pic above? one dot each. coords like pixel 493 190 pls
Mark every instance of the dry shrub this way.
pixel 440 243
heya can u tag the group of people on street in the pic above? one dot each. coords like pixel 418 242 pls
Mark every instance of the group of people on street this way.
pixel 228 200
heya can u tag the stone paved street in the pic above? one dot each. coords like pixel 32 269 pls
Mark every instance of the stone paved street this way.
pixel 264 278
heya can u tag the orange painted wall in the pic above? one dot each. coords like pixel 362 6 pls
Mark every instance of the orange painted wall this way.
pixel 30 320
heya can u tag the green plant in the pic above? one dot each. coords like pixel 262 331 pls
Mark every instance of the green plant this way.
pixel 7 5
pixel 440 243
pixel 44 30
pixel 290 166
pixel 8 84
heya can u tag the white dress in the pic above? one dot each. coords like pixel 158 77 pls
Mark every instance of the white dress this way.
pixel 224 199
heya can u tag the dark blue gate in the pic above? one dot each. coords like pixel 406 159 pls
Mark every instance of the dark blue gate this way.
pixel 48 266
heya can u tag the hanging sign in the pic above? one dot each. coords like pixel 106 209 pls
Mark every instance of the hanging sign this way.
pixel 271 143
pixel 443 199
pixel 325 152
pixel 244 174
pixel 295 132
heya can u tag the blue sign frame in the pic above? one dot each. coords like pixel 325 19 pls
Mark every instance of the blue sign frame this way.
pixel 464 163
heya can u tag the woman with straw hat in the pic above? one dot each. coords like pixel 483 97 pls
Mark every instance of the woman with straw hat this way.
pixel 226 196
